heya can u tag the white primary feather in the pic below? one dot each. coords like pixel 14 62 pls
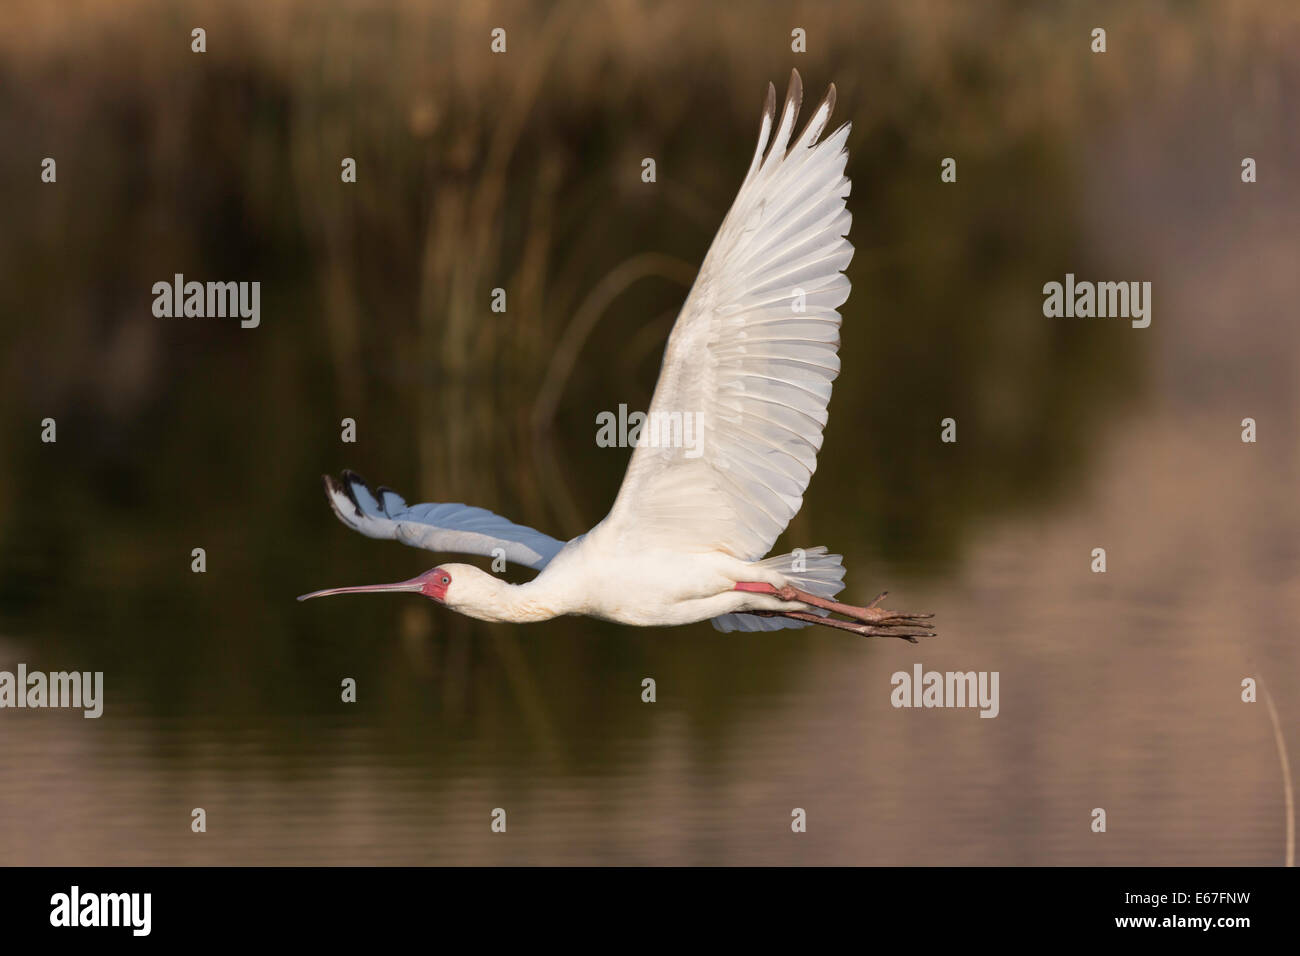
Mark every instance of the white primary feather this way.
pixel 458 528
pixel 753 352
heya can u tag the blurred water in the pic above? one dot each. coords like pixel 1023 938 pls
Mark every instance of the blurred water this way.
pixel 1118 690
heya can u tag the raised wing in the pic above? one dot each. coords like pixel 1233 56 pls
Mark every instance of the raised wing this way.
pixel 751 357
pixel 434 526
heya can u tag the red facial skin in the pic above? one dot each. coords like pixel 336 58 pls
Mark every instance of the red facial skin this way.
pixel 435 584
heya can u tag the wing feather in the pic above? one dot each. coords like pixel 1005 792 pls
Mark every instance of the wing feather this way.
pixel 436 526
pixel 753 352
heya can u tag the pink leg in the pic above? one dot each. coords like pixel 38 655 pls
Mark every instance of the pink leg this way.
pixel 909 634
pixel 877 618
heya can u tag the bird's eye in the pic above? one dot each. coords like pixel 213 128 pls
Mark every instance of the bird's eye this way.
pixel 446 580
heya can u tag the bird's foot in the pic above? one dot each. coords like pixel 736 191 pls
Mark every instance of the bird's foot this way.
pixel 904 632
pixel 879 621
pixel 871 621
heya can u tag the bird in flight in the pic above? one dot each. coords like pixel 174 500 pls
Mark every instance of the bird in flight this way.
pixel 750 360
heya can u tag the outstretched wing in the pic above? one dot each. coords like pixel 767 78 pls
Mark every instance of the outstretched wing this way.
pixel 435 526
pixel 751 357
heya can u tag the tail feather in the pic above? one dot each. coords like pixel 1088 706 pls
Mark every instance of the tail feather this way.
pixel 818 573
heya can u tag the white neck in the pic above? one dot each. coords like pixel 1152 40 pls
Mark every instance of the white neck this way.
pixel 480 595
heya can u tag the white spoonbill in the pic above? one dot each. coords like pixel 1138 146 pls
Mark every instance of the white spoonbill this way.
pixel 750 360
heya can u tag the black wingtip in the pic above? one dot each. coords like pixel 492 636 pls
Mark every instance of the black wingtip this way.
pixel 351 478
pixel 827 103
pixel 332 488
pixel 379 496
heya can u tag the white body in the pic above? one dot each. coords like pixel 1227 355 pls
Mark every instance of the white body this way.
pixel 646 589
